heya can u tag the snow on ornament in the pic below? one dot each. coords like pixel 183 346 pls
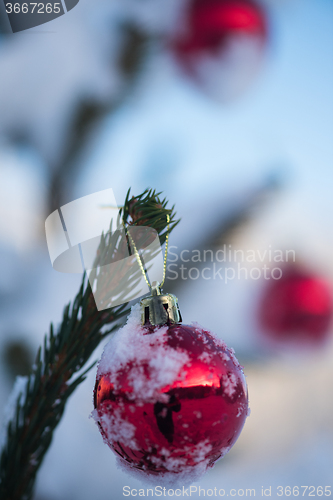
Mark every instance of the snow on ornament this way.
pixel 297 308
pixel 170 399
pixel 221 44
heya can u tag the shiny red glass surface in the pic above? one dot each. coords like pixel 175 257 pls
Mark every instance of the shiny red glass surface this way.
pixel 210 22
pixel 206 404
pixel 298 306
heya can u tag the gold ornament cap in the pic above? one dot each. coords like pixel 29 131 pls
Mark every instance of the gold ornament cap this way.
pixel 158 309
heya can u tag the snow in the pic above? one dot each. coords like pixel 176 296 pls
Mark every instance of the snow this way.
pixel 18 394
pixel 220 155
pixel 227 74
pixel 131 347
pixel 116 428
pixel 184 475
pixel 150 366
pixel 75 62
pixel 229 383
pixel 22 178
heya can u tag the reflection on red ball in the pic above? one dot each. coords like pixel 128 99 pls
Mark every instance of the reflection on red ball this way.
pixel 221 44
pixel 187 424
pixel 297 307
pixel 211 22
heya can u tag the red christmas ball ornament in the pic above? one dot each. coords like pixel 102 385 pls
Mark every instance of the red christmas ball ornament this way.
pixel 170 399
pixel 297 308
pixel 221 44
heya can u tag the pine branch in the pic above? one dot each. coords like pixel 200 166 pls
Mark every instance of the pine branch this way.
pixel 90 113
pixel 57 369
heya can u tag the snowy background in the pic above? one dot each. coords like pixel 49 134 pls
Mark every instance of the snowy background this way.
pixel 214 159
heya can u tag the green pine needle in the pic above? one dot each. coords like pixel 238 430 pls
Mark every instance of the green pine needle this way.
pixel 56 372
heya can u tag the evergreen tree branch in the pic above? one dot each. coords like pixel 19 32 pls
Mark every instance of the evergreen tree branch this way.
pixel 57 369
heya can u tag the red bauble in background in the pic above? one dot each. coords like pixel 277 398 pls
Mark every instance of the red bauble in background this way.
pixel 169 400
pixel 220 44
pixel 297 308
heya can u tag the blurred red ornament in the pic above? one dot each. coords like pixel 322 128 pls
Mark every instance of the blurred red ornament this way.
pixel 176 405
pixel 221 44
pixel 298 307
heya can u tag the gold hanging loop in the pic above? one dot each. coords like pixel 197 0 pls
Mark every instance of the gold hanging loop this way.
pixel 157 309
pixel 139 260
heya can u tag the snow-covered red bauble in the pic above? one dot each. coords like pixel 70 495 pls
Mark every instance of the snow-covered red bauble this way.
pixel 297 308
pixel 220 44
pixel 169 399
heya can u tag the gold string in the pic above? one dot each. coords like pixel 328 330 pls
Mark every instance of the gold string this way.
pixel 138 258
pixel 166 250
